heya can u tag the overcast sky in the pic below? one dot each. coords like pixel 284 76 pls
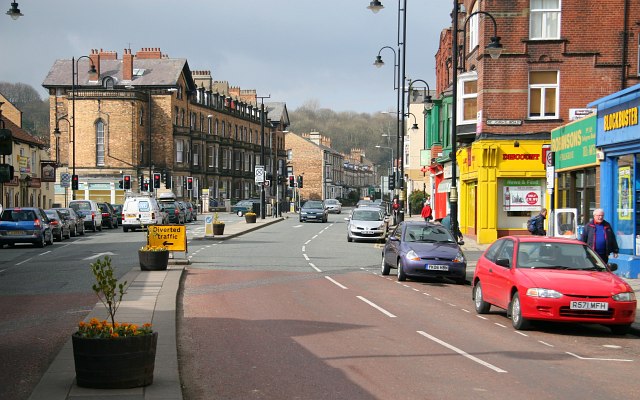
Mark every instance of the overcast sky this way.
pixel 294 50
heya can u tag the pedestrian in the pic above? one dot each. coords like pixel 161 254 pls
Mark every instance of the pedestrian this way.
pixel 599 235
pixel 536 224
pixel 426 212
pixel 395 207
pixel 446 222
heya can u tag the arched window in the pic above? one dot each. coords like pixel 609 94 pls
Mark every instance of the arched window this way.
pixel 108 82
pixel 100 143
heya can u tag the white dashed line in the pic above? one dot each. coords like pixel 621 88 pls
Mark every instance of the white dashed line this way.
pixel 598 359
pixel 500 325
pixel 306 257
pixel 545 343
pixel 377 307
pixel 335 282
pixel 314 267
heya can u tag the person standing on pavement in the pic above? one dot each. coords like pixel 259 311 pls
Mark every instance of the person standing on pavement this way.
pixel 539 223
pixel 446 222
pixel 427 212
pixel 599 235
pixel 395 208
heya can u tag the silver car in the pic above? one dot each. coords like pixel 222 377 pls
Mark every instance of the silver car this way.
pixel 333 206
pixel 367 223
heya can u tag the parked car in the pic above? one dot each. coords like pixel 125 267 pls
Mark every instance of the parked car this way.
pixel 552 279
pixel 60 226
pixel 25 225
pixel 333 206
pixel 109 216
pixel 76 221
pixel 91 212
pixel 175 212
pixel 188 215
pixel 118 209
pixel 244 206
pixel 423 249
pixel 191 211
pixel 141 211
pixel 313 210
pixel 364 203
pixel 366 223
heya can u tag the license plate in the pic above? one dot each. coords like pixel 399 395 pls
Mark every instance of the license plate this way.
pixel 436 267
pixel 311 216
pixel 367 232
pixel 130 215
pixel 589 305
pixel 16 233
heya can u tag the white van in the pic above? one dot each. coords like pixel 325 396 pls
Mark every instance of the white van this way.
pixel 140 212
pixel 90 211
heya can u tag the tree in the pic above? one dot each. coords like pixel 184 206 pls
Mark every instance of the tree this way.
pixel 35 111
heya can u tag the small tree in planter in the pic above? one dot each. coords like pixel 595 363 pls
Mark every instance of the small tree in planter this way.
pixel 107 288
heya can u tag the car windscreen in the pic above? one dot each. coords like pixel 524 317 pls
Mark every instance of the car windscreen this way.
pixel 81 205
pixel 366 215
pixel 312 204
pixel 545 255
pixel 428 233
pixel 52 214
pixel 16 216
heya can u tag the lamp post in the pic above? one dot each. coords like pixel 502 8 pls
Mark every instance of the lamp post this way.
pixel 14 11
pixel 262 122
pixel 376 6
pixel 74 84
pixel 494 49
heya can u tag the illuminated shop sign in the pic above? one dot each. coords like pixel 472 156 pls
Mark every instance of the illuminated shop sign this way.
pixel 621 119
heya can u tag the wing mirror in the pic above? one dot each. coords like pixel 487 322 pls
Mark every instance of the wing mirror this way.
pixel 503 262
pixel 613 266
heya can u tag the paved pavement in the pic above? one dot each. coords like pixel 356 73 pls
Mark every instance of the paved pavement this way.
pixel 152 296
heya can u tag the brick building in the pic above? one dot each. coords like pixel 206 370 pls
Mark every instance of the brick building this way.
pixel 147 113
pixel 34 171
pixel 558 56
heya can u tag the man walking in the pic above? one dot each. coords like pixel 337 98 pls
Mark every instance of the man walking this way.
pixel 599 235
pixel 538 223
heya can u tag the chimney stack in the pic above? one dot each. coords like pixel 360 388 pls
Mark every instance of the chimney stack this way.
pixel 127 65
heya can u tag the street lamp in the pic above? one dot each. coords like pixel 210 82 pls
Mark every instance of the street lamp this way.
pixel 376 6
pixel 74 84
pixel 262 123
pixel 14 11
pixel 494 49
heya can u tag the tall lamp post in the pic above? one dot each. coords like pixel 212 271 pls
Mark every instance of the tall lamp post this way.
pixel 263 121
pixel 376 6
pixel 494 49
pixel 74 84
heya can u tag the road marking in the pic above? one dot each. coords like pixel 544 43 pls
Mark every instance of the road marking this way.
pixel 546 344
pixel 481 317
pixel 336 283
pixel 314 236
pixel 308 241
pixel 46 252
pixel 22 262
pixel 306 257
pixel 377 307
pixel 520 333
pixel 598 359
pixel 297 226
pixel 465 310
pixel 314 267
pixel 611 346
pixel 303 248
pixel 108 253
pixel 461 352
pixel 500 325
pixel 452 305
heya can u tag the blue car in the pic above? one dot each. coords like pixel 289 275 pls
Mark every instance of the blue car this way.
pixel 25 225
pixel 423 249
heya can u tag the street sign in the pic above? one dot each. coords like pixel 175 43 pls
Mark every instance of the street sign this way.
pixel 259 173
pixel 173 237
pixel 65 179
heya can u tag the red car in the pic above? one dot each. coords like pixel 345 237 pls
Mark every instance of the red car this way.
pixel 552 279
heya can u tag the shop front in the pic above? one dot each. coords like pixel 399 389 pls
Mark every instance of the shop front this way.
pixel 618 139
pixel 502 184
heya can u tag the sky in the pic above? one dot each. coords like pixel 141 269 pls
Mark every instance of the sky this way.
pixel 296 51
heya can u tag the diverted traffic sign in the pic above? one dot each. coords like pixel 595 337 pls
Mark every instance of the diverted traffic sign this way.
pixel 173 237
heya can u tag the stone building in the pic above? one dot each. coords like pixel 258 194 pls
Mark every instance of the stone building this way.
pixel 146 114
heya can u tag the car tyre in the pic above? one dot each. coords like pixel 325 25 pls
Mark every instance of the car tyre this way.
pixel 100 228
pixel 517 320
pixel 482 307
pixel 385 269
pixel 69 234
pixel 349 239
pixel 82 230
pixel 402 276
pixel 620 329
pixel 50 241
pixel 40 243
pixel 93 227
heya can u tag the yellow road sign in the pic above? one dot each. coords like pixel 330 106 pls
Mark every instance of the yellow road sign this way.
pixel 173 237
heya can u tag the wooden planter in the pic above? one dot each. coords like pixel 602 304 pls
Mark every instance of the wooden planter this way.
pixel 119 363
pixel 218 229
pixel 250 219
pixel 153 260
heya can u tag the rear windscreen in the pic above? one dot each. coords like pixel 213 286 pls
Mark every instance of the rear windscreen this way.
pixel 15 216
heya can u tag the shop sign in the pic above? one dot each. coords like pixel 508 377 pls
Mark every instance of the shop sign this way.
pixel 48 171
pixel 621 119
pixel 522 194
pixel 578 113
pixel 23 164
pixel 618 124
pixel 574 144
pixel 624 195
pixel 520 156
pixel 504 122
pixel 34 183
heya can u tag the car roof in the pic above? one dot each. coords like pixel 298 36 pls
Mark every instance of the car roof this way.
pixel 546 239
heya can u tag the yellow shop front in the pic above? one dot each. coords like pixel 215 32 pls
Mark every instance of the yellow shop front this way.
pixel 502 185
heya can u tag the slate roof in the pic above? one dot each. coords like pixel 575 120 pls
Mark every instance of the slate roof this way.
pixel 21 135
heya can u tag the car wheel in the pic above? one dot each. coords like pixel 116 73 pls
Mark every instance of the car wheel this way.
pixel 58 237
pixel 349 239
pixel 50 241
pixel 40 243
pixel 517 320
pixel 482 307
pixel 620 329
pixel 93 227
pixel 401 274
pixel 82 230
pixel 100 228
pixel 69 234
pixel 384 267
pixel 74 232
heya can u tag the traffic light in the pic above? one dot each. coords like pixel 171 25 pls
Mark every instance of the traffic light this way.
pixel 300 181
pixel 74 182
pixel 6 173
pixel 189 183
pixel 292 181
pixel 126 182
pixel 120 184
pixel 6 142
pixel 156 180
pixel 143 185
pixel 167 180
pixel 392 182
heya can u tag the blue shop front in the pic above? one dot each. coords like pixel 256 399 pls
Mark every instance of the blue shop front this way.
pixel 618 140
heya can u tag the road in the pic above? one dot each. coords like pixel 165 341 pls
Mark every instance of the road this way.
pixel 294 311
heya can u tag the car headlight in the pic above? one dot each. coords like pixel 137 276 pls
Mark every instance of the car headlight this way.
pixel 411 255
pixel 544 293
pixel 459 258
pixel 626 296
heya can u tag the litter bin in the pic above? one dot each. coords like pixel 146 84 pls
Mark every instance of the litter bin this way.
pixel 269 208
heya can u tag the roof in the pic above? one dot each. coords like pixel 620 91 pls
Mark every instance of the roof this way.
pixel 21 135
pixel 277 111
pixel 154 72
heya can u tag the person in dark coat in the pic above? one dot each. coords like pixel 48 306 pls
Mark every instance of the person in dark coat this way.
pixel 539 223
pixel 446 222
pixel 599 235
